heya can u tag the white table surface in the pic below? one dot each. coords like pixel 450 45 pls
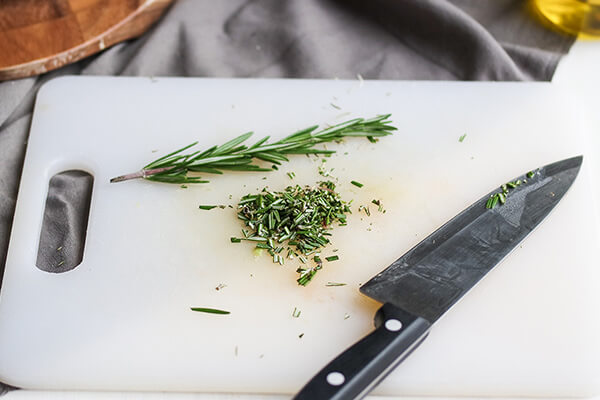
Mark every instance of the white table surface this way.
pixel 578 72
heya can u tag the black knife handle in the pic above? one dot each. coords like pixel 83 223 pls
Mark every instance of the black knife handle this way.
pixel 362 366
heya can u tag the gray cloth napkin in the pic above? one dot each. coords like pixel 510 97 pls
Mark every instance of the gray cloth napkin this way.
pixel 378 39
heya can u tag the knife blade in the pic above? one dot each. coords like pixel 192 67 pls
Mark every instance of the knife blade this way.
pixel 424 283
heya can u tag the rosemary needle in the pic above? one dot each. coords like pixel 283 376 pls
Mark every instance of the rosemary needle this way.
pixel 358 184
pixel 209 310
pixel 234 155
pixel 207 207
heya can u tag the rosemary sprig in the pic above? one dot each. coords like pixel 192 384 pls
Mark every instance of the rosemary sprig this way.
pixel 176 167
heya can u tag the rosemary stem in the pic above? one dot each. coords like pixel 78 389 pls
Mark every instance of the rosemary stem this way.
pixel 143 173
pixel 234 155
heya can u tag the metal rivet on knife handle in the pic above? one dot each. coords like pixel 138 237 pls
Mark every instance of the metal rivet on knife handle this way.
pixel 393 325
pixel 335 378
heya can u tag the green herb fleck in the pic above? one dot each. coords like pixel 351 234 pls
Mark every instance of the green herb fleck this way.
pixel 209 310
pixel 366 209
pixel 335 284
pixel 357 184
pixel 332 258
pixel 460 139
pixel 502 195
pixel 296 313
pixel 325 172
pixel 379 205
pixel 306 274
pixel 291 175
pixel 207 207
pixel 501 198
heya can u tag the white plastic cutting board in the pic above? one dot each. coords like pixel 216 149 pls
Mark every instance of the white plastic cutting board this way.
pixel 121 319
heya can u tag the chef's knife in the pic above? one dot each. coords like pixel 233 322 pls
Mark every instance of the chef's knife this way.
pixel 419 287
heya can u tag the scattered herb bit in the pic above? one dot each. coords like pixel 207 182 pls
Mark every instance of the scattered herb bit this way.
pixel 300 335
pixel 209 310
pixel 358 184
pixel 360 79
pixel 233 155
pixel 335 284
pixel 366 209
pixel 296 221
pixel 60 263
pixel 500 197
pixel 183 186
pixel 292 175
pixel 346 316
pixel 372 139
pixel 206 207
pixel 220 286
pixel 235 240
pixel 379 205
pixel 335 106
pixel 460 139
pixel 492 201
pixel 59 248
pixel 275 167
pixel 332 258
pixel 296 313
pixel 325 172
pixel 306 274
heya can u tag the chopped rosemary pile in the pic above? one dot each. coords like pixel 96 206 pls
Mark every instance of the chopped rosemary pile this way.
pixel 293 224
pixel 236 156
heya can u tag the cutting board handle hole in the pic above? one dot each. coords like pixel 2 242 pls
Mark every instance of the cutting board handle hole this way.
pixel 65 221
